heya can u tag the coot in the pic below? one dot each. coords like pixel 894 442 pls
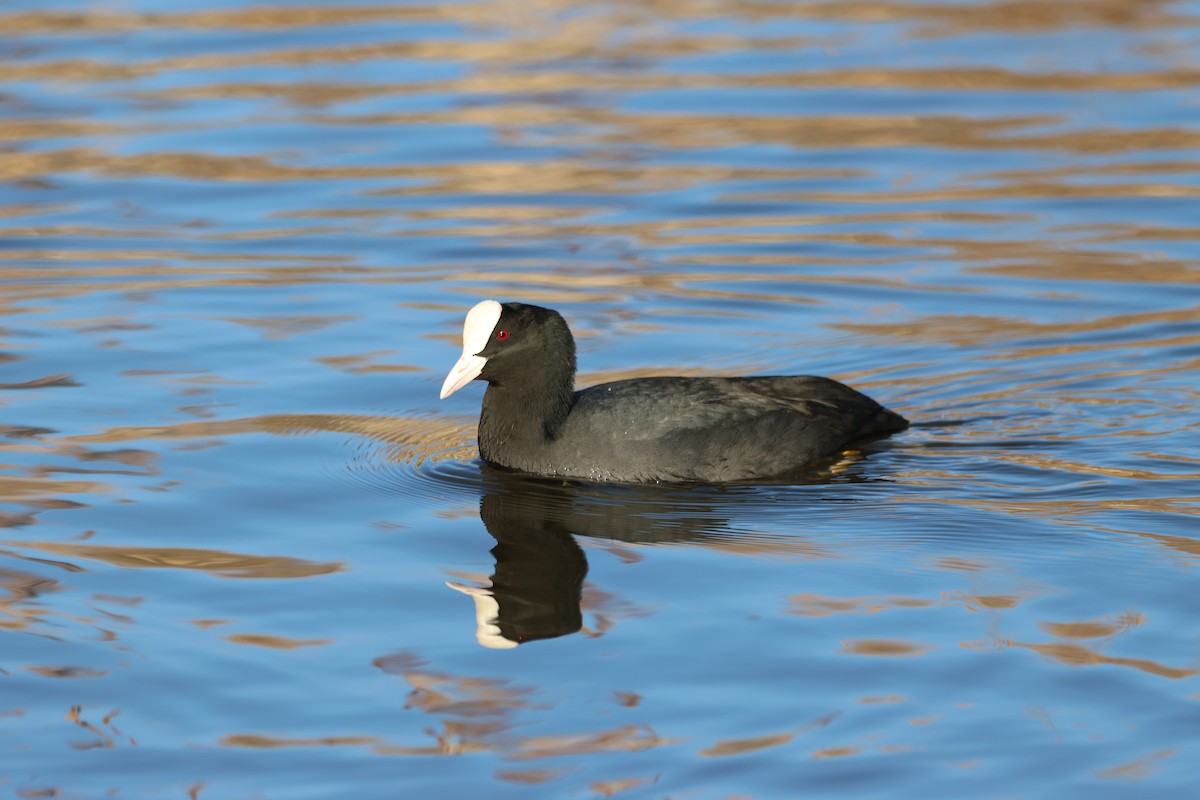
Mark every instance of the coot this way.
pixel 644 430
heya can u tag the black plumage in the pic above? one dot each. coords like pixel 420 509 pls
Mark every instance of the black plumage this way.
pixel 648 429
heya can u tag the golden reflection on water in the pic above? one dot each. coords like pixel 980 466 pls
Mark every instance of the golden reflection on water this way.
pixel 477 714
pixel 529 777
pixel 1068 652
pixel 611 787
pixel 361 363
pixel 1137 769
pixel 219 562
pixel 735 747
pixel 275 642
pixel 20 588
pixel 887 648
pixel 1094 629
pixel 268 742
pixel 937 19
pixel 412 440
pixel 1076 655
pixel 105 732
pixel 808 605
pixel 731 747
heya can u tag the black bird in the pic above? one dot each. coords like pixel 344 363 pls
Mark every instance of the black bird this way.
pixel 644 430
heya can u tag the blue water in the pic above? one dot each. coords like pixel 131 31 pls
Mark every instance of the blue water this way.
pixel 248 553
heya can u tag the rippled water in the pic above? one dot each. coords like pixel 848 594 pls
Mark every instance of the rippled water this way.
pixel 248 553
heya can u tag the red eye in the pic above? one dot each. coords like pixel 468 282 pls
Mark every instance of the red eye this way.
pixel 502 335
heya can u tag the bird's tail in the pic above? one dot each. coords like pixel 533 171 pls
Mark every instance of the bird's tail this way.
pixel 885 421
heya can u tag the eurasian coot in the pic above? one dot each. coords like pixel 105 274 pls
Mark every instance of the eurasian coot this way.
pixel 647 429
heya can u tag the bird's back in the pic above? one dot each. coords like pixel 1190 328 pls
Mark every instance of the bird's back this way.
pixel 714 429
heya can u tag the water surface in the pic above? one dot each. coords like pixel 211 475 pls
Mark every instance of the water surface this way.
pixel 246 552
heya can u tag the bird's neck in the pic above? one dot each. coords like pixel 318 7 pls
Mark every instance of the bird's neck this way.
pixel 524 413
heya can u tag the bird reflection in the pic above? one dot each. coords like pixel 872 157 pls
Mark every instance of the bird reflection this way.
pixel 535 589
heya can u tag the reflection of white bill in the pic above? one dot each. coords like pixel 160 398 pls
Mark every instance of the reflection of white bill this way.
pixel 487 616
